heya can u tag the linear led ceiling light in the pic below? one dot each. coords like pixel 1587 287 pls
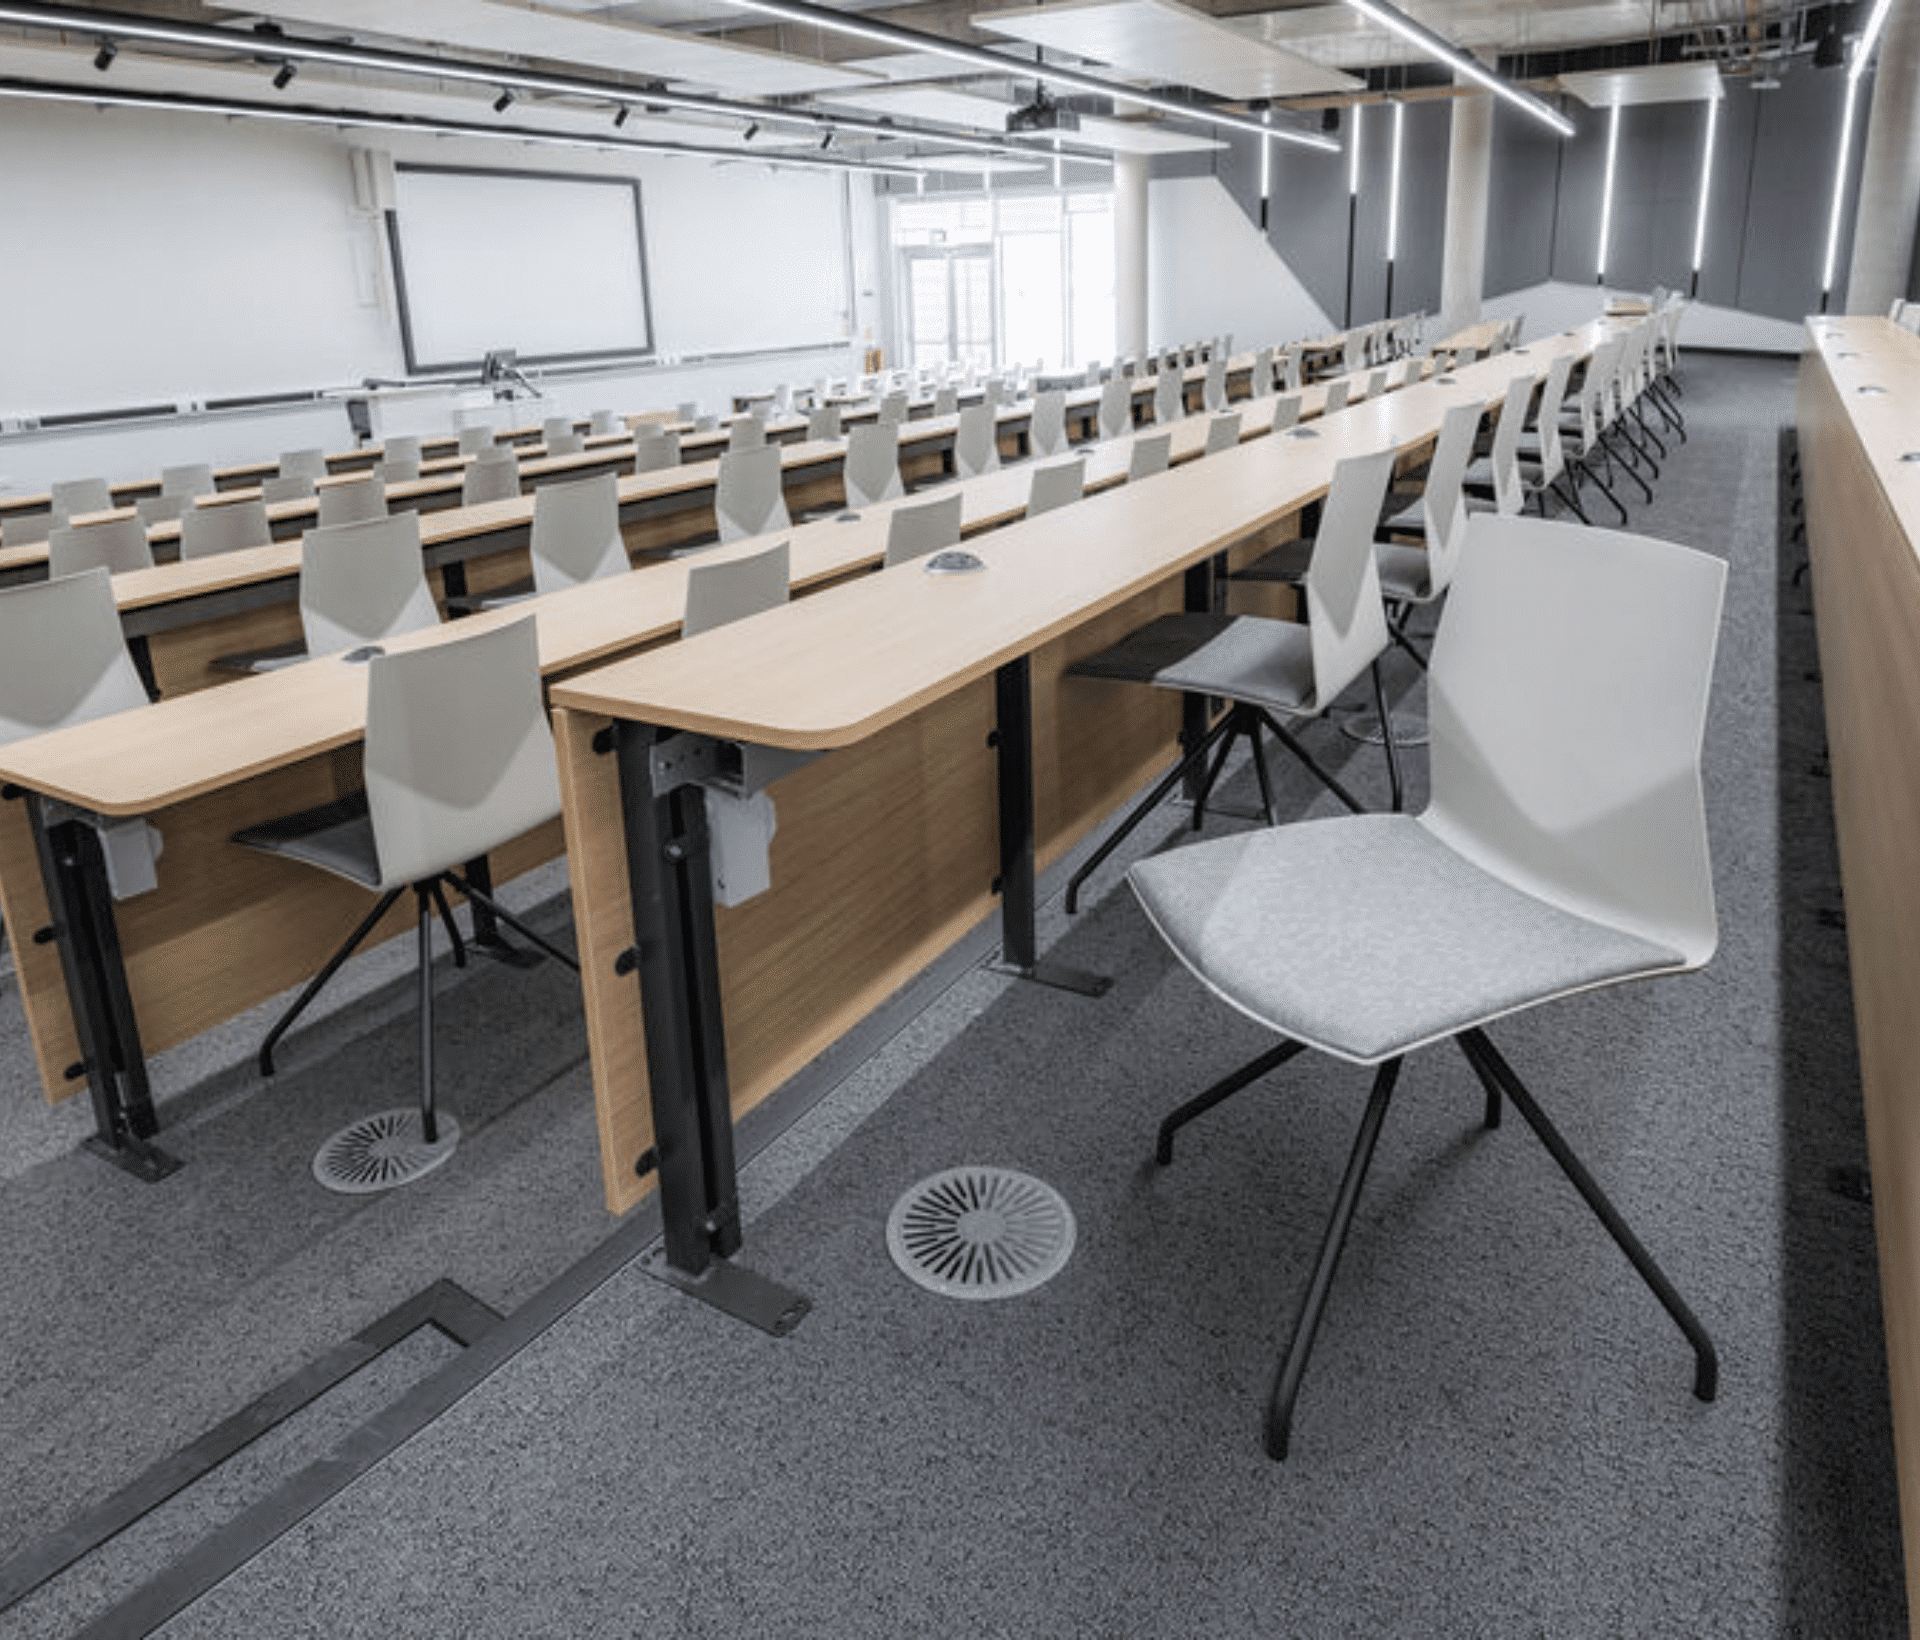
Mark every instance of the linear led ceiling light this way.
pixel 124 27
pixel 92 97
pixel 1353 153
pixel 1706 189
pixel 1433 45
pixel 908 39
pixel 1606 195
pixel 1862 56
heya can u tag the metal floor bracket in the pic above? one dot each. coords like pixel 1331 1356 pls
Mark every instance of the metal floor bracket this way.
pixel 734 1290
pixel 1059 976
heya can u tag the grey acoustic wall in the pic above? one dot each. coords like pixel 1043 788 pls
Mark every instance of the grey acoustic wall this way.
pixel 1524 166
pixel 1307 220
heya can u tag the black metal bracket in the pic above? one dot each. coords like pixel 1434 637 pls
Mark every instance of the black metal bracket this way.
pixel 734 1291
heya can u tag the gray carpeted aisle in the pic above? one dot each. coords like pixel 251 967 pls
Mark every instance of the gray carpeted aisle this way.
pixel 1496 1435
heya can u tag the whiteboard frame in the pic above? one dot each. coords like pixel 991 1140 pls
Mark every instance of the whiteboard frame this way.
pixel 416 366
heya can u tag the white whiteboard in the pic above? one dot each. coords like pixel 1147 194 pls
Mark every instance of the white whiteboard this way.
pixel 551 266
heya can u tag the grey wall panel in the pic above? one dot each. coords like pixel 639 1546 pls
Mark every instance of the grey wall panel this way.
pixel 1427 152
pixel 1796 140
pixel 1729 197
pixel 1523 180
pixel 1307 220
pixel 1655 195
pixel 1576 222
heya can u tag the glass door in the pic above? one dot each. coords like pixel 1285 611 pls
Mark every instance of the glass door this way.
pixel 949 305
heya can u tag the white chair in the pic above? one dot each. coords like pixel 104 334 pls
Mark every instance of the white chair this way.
pixel 1495 477
pixel 1116 408
pixel 475 439
pixel 1353 351
pixel 458 762
pixel 561 436
pixel 1413 576
pixel 190 479
pixel 824 421
pixel 1286 412
pixel 26 529
pixel 871 471
pixel 731 589
pixel 1261 666
pixel 1169 395
pixel 401 447
pixel 77 497
pixel 352 501
pixel 946 400
pixel 576 533
pixel 603 423
pixel 1056 484
pixel 1214 389
pixel 1337 391
pixel 1541 456
pixel 115 543
pixel 284 487
pixel 1293 367
pixel 393 470
pixel 160 509
pixel 313 463
pixel 976 441
pixel 747 497
pixel 746 433
pixel 363 583
pixel 655 448
pixel 1260 379
pixel 1151 453
pixel 225 526
pixel 924 528
pixel 492 474
pixel 63 659
pixel 1564 849
pixel 893 408
pixel 1047 424
pixel 1223 432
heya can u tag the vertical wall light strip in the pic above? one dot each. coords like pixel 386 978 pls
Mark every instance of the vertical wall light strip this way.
pixel 1393 185
pixel 1353 154
pixel 1606 197
pixel 1353 208
pixel 1266 170
pixel 1706 193
pixel 1057 164
pixel 1839 190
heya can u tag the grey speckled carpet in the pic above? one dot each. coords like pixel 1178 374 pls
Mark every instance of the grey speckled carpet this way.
pixel 1496 1436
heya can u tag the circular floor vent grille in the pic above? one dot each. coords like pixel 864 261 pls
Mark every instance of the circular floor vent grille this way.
pixel 380 1152
pixel 980 1232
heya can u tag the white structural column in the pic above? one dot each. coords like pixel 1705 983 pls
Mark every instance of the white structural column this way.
pixel 1883 222
pixel 1130 252
pixel 1463 266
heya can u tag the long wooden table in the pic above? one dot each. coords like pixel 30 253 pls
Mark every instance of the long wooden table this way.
pixel 226 928
pixel 962 759
pixel 1859 426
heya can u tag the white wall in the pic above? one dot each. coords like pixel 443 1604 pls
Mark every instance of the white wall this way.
pixel 175 258
pixel 1212 272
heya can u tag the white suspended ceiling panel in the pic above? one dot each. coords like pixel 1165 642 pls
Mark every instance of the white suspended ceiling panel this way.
pixel 1337 34
pixel 532 31
pixel 1656 83
pixel 1169 42
pixel 959 108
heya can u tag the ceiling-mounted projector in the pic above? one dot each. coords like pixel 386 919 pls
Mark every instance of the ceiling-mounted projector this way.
pixel 1042 114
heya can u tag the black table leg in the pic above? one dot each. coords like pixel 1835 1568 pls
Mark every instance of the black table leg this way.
pixel 677 961
pixel 486 926
pixel 111 1059
pixel 1013 740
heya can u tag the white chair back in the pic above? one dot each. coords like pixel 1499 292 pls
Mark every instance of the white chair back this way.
pixel 576 533
pixel 459 754
pixel 746 433
pixel 1444 501
pixel 1346 620
pixel 1547 419
pixel 927 527
pixel 75 497
pixel 655 448
pixel 1337 392
pixel 311 462
pixel 1223 432
pixel 475 439
pixel 1169 395
pixel 492 475
pixel 363 583
pixel 62 657
pixel 1056 484
pixel 1286 411
pixel 1260 381
pixel 871 470
pixel 284 487
pixel 1215 391
pixel 1509 495
pixel 823 421
pixel 1555 764
pixel 192 478
pixel 353 501
pixel 115 544
pixel 1152 453
pixel 734 588
pixel 1116 407
pixel 748 498
pixel 227 526
pixel 976 441
pixel 1047 424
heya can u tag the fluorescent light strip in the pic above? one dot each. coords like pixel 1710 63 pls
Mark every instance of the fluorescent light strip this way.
pixel 100 97
pixel 276 48
pixel 1433 45
pixel 1863 52
pixel 1606 194
pixel 1393 185
pixel 1839 187
pixel 908 39
pixel 1266 163
pixel 1706 184
pixel 1353 154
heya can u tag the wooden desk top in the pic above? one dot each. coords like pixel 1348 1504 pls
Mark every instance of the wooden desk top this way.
pixel 1861 354
pixel 784 679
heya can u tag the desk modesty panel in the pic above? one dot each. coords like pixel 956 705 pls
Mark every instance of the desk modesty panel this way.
pixel 1859 422
pixel 885 849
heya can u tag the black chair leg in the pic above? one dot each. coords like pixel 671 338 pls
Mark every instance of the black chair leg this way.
pixel 1292 743
pixel 1293 1367
pixel 1706 1373
pixel 452 927
pixel 463 886
pixel 1387 740
pixel 1488 1083
pixel 1220 1092
pixel 425 894
pixel 319 980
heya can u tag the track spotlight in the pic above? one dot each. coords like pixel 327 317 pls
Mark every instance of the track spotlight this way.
pixel 284 77
pixel 752 131
pixel 103 58
pixel 621 115
pixel 503 102
pixel 826 142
